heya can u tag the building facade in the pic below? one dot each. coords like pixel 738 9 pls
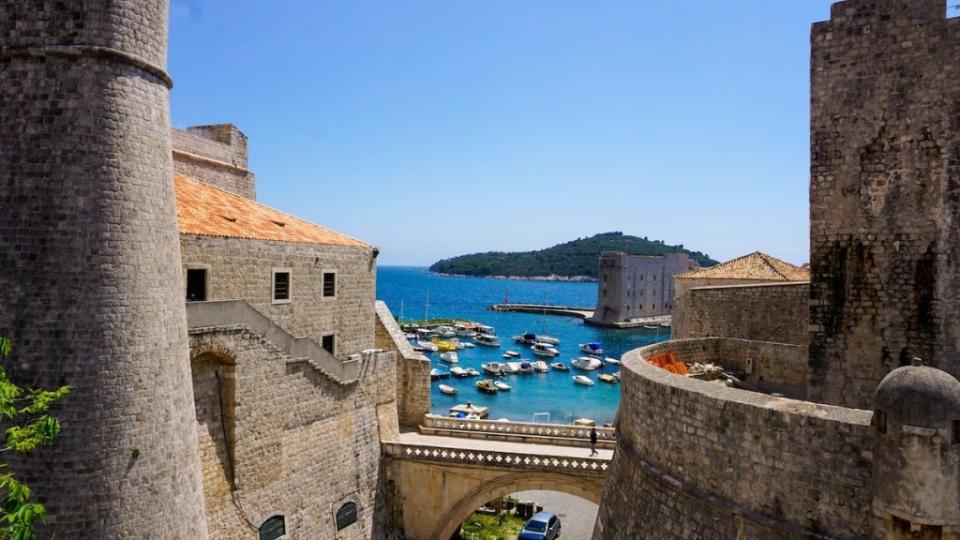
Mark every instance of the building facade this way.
pixel 633 287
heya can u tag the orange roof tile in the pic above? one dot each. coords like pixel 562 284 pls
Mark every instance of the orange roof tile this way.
pixel 209 211
pixel 758 266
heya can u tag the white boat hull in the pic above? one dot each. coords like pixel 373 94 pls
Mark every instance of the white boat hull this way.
pixel 580 379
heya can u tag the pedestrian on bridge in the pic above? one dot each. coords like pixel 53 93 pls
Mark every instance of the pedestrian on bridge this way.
pixel 593 441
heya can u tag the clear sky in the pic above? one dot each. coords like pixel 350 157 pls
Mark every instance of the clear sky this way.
pixel 434 128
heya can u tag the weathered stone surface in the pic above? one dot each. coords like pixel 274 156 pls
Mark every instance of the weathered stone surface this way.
pixel 634 286
pixel 413 369
pixel 216 155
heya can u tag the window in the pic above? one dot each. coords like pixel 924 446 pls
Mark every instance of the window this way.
pixel 604 292
pixel 880 420
pixel 196 284
pixel 346 515
pixel 330 343
pixel 281 286
pixel 956 432
pixel 272 528
pixel 329 284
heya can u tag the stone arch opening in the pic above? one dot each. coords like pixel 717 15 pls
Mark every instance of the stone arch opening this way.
pixel 214 377
pixel 450 520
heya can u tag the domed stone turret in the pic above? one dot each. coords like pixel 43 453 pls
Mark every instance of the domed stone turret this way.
pixel 917 453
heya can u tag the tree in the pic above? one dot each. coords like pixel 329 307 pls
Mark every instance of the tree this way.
pixel 26 411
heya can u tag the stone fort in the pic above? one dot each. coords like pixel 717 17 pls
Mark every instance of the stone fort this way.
pixel 233 376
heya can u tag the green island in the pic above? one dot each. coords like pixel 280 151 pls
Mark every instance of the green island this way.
pixel 574 260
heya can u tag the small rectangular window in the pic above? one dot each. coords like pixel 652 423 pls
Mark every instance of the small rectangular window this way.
pixel 956 432
pixel 329 284
pixel 281 285
pixel 196 285
pixel 329 343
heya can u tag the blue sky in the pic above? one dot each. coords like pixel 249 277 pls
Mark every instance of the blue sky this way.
pixel 442 127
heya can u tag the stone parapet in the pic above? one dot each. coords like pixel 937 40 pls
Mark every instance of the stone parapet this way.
pixel 556 434
pixel 413 368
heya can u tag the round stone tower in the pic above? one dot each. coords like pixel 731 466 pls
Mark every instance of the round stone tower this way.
pixel 916 467
pixel 90 281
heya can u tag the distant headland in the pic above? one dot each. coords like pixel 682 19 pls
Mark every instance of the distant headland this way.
pixel 571 261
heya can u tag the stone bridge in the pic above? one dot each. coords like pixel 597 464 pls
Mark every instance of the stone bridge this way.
pixel 438 475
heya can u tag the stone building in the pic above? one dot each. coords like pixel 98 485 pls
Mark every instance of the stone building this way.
pixel 751 269
pixel 633 287
pixel 845 438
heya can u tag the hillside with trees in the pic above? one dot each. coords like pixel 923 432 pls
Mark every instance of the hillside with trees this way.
pixel 574 259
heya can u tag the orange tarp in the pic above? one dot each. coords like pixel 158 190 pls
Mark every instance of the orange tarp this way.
pixel 669 362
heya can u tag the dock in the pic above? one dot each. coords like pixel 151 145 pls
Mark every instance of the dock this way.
pixel 563 311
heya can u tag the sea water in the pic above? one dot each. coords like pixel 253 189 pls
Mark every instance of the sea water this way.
pixel 414 293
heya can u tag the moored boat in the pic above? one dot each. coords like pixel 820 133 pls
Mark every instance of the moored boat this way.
pixel 445 332
pixel 450 357
pixel 493 368
pixel 586 363
pixel 526 367
pixel 458 371
pixel 611 361
pixel 486 385
pixel 426 346
pixel 585 422
pixel 502 386
pixel 486 340
pixel 468 345
pixel 527 338
pixel 449 390
pixel 472 372
pixel 607 378
pixel 549 340
pixel 544 349
pixel 559 366
pixel 582 379
pixel 436 374
pixel 469 409
pixel 512 354
pixel 541 366
pixel 510 368
pixel 593 348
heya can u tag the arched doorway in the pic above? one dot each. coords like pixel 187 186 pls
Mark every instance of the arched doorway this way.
pixel 448 523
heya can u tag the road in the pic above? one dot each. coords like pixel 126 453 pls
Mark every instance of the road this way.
pixel 576 515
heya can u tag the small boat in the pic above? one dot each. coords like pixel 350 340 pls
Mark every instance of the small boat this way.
pixel 472 372
pixel 505 356
pixel 486 385
pixel 502 386
pixel 544 349
pixel 427 346
pixel 526 367
pixel 648 327
pixel 463 330
pixel 586 363
pixel 586 422
pixel 445 332
pixel 486 330
pixel 527 338
pixel 410 336
pixel 616 375
pixel 493 368
pixel 458 371
pixel 541 366
pixel 449 390
pixel 469 409
pixel 593 348
pixel 444 346
pixel 549 340
pixel 582 379
pixel 510 368
pixel 436 374
pixel 450 357
pixel 607 378
pixel 559 366
pixel 468 345
pixel 512 354
pixel 611 361
pixel 460 346
pixel 487 340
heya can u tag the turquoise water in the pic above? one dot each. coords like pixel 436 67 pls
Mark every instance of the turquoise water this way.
pixel 470 298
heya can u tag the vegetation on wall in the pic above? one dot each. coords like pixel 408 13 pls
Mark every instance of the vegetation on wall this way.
pixel 578 258
pixel 26 412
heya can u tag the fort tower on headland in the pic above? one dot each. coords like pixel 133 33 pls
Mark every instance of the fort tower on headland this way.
pixel 90 287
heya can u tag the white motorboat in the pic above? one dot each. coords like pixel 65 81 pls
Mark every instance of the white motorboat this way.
pixel 549 340
pixel 486 330
pixel 450 357
pixel 487 340
pixel 512 354
pixel 445 332
pixel 468 345
pixel 611 361
pixel 582 379
pixel 449 390
pixel 526 338
pixel 501 386
pixel 560 366
pixel 486 385
pixel 510 368
pixel 541 366
pixel 493 368
pixel 469 409
pixel 593 348
pixel 427 346
pixel 438 374
pixel 586 363
pixel 458 371
pixel 526 367
pixel 544 349
pixel 472 372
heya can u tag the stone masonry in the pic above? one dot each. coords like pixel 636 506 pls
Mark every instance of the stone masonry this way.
pixel 634 286
pixel 884 194
pixel 90 281
pixel 215 155
pixel 413 369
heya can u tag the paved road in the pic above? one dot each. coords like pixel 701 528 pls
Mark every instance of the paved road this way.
pixel 576 515
pixel 441 441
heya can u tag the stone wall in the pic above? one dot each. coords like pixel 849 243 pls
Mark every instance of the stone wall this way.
pixel 216 155
pixel 413 369
pixel 717 462
pixel 242 269
pixel 682 285
pixel 633 286
pixel 884 195
pixel 277 437
pixel 767 312
pixel 90 266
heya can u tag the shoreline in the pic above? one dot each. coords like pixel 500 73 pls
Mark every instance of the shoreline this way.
pixel 552 277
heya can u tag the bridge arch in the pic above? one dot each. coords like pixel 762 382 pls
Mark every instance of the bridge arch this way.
pixel 508 483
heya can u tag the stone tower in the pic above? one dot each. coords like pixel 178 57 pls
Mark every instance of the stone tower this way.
pixel 884 195
pixel 90 280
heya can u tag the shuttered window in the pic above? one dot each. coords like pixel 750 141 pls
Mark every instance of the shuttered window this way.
pixel 272 528
pixel 329 284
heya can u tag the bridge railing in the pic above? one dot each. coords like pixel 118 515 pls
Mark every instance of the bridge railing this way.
pixel 520 429
pixel 491 458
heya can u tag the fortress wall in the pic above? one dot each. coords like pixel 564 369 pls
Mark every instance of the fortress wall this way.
pixel 241 269
pixel 287 440
pixel 700 460
pixel 636 286
pixel 216 155
pixel 413 369
pixel 884 194
pixel 765 312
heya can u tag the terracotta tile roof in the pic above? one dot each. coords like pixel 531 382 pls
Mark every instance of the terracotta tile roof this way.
pixel 209 211
pixel 757 266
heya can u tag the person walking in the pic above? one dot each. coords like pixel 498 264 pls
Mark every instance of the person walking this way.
pixel 593 441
